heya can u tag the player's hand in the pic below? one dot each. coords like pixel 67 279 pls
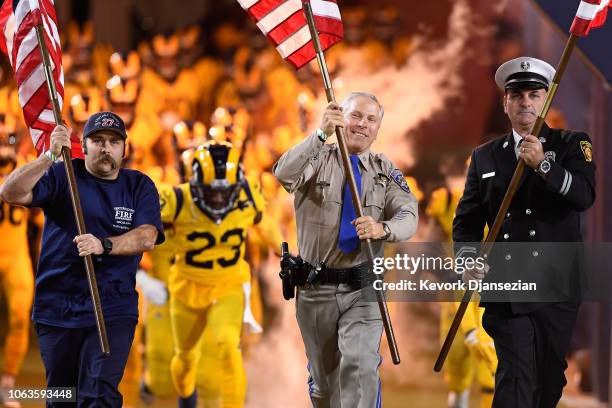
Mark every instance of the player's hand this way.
pixel 153 289
pixel 60 137
pixel 332 117
pixel 87 244
pixel 368 228
pixel 475 273
pixel 531 151
pixel 482 348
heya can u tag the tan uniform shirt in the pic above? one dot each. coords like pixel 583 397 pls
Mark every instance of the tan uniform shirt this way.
pixel 313 171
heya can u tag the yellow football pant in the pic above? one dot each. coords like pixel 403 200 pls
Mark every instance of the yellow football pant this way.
pixel 220 310
pixel 159 349
pixel 461 367
pixel 130 382
pixel 17 281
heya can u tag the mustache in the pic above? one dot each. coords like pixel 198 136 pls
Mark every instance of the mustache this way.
pixel 106 157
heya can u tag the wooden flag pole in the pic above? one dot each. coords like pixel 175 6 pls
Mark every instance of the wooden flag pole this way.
pixel 329 92
pixel 514 183
pixel 74 194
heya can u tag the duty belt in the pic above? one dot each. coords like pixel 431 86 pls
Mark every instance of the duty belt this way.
pixel 353 276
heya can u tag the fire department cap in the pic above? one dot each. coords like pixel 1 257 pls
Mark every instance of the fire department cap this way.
pixel 525 73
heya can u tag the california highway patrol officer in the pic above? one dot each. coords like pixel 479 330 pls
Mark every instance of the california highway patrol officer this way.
pixel 531 339
pixel 341 330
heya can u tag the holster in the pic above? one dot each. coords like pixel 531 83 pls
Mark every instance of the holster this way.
pixel 290 267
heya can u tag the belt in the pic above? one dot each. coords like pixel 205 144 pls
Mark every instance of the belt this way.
pixel 353 275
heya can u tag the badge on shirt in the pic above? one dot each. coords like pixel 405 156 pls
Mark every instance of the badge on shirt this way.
pixel 587 150
pixel 550 155
pixel 399 179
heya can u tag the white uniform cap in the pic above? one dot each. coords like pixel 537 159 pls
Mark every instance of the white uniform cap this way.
pixel 524 72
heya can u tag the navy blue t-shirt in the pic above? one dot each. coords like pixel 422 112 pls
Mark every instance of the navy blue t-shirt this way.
pixel 110 208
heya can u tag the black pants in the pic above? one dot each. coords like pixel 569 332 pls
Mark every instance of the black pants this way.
pixel 531 350
pixel 73 358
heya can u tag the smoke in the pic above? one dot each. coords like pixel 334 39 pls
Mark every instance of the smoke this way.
pixel 276 367
pixel 414 92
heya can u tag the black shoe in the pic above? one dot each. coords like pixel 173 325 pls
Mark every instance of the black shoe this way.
pixel 189 402
pixel 146 396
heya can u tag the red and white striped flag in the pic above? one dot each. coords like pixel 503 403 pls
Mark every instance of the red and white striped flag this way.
pixel 18 21
pixel 590 14
pixel 284 23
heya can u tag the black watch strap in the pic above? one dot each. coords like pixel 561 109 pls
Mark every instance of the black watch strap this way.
pixel 107 245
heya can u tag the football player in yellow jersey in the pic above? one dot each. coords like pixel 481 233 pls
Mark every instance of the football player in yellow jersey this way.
pixel 16 275
pixel 148 146
pixel 170 90
pixel 159 347
pixel 210 216
pixel 475 356
pixel 82 104
pixel 152 281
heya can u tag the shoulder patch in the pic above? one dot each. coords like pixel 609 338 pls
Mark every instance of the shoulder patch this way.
pixel 587 150
pixel 399 179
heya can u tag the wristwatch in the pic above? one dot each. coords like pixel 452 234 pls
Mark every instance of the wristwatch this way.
pixel 321 135
pixel 107 245
pixel 387 231
pixel 544 168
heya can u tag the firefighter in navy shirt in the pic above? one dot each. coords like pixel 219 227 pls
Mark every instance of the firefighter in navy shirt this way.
pixel 122 217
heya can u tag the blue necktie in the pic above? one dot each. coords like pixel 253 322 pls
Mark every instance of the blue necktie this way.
pixel 348 241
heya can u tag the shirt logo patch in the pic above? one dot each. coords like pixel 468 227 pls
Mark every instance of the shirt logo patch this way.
pixel 399 179
pixel 587 150
pixel 123 218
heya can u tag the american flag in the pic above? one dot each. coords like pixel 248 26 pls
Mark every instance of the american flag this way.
pixel 590 14
pixel 18 21
pixel 284 23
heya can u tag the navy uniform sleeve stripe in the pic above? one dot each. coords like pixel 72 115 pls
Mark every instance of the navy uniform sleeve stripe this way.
pixel 249 194
pixel 179 201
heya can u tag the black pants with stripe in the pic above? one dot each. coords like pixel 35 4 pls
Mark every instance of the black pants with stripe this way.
pixel 531 350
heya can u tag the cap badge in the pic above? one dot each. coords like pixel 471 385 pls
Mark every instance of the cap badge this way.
pixel 106 122
pixel 525 65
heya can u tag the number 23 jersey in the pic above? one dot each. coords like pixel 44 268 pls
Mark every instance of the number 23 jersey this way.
pixel 206 252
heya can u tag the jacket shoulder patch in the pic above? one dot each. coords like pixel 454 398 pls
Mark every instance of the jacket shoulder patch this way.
pixel 399 179
pixel 587 150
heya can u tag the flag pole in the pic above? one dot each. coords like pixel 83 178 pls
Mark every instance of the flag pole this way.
pixel 510 192
pixel 74 194
pixel 329 92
